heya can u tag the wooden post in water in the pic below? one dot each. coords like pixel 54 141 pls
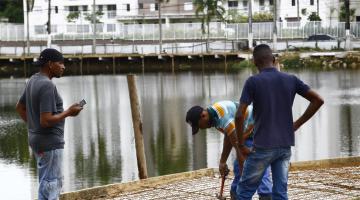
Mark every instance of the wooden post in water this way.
pixel 143 64
pixel 81 65
pixel 225 63
pixel 137 124
pixel 24 64
pixel 173 64
pixel 113 64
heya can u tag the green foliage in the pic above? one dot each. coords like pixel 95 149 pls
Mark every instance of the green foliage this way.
pixel 242 65
pixel 290 61
pixel 13 10
pixel 234 16
pixel 73 16
pixel 342 14
pixel 208 10
pixel 89 16
pixel 314 17
pixel 263 17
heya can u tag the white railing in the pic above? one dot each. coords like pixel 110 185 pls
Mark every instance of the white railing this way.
pixel 179 31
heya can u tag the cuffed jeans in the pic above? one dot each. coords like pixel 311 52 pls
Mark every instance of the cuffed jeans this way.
pixel 254 169
pixel 50 174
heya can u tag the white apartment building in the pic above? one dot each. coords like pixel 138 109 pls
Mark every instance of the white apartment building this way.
pixel 355 4
pixel 117 13
pixel 290 10
pixel 61 9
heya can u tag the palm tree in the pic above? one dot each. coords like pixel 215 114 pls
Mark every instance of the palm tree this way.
pixel 209 10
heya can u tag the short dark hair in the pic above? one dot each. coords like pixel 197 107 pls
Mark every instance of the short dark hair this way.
pixel 263 54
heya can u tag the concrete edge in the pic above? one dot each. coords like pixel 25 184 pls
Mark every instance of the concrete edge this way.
pixel 114 190
pixel 325 163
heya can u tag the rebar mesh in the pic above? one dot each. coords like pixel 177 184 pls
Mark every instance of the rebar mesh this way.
pixel 329 183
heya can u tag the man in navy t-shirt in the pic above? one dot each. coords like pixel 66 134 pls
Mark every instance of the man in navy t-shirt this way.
pixel 272 94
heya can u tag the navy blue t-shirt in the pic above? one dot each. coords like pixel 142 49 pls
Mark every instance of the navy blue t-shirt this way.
pixel 272 94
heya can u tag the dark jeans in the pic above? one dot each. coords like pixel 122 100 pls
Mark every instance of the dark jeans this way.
pixel 265 187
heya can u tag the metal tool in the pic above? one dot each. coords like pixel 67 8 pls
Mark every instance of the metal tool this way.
pixel 223 178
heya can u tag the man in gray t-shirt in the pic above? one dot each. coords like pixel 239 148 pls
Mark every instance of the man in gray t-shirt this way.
pixel 41 107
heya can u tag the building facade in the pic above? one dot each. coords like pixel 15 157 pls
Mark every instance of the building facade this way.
pixel 75 16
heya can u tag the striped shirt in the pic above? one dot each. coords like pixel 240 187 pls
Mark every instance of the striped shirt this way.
pixel 222 115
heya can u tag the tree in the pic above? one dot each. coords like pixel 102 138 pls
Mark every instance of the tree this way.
pixel 314 17
pixel 12 10
pixel 208 10
pixel 73 16
pixel 342 14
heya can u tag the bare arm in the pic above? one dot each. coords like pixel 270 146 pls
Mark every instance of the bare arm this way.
pixel 239 122
pixel 47 119
pixel 315 103
pixel 226 150
pixel 229 142
pixel 21 110
pixel 248 132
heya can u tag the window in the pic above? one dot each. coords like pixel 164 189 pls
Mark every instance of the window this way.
pixel 85 8
pixel 82 29
pixel 53 28
pixel 99 28
pixel 293 2
pixel 262 2
pixel 110 28
pixel 141 6
pixel 245 5
pixel 111 7
pixel 111 11
pixel 358 18
pixel 152 7
pixel 233 4
pixel 71 28
pixel 39 29
pixel 311 2
pixel 100 7
pixel 56 9
pixel 73 8
pixel 188 6
pixel 128 7
pixel 271 2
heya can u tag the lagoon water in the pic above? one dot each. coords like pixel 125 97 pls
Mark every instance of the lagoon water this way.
pixel 100 146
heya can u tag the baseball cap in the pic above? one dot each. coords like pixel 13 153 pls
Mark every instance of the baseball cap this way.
pixel 193 116
pixel 47 55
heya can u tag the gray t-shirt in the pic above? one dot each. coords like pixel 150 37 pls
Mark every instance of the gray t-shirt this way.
pixel 41 96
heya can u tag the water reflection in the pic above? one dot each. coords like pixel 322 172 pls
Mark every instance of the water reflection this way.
pixel 100 146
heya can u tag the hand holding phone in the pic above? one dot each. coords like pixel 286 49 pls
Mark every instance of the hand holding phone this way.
pixel 82 103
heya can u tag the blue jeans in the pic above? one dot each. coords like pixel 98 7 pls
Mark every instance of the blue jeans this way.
pixel 265 187
pixel 50 174
pixel 254 169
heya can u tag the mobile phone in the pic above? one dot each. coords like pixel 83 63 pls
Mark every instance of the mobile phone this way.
pixel 82 102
